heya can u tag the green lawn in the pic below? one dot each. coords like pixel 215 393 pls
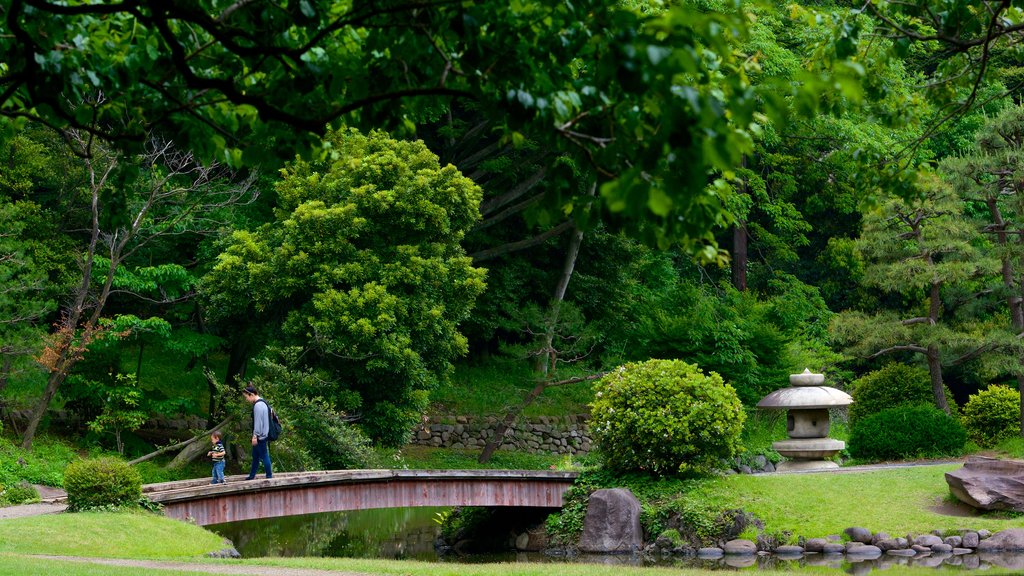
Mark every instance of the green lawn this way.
pixel 896 500
pixel 107 535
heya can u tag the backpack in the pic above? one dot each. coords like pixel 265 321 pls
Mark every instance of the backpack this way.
pixel 274 431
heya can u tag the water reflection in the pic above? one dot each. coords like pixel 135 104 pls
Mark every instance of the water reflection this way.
pixel 410 533
pixel 381 533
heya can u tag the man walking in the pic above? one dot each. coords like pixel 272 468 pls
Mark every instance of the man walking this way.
pixel 260 428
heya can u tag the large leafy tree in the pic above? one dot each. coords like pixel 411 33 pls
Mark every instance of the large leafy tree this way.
pixel 651 101
pixel 363 270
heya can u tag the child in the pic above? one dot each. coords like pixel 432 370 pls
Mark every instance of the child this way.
pixel 218 458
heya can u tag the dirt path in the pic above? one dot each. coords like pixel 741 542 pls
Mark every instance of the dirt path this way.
pixel 218 568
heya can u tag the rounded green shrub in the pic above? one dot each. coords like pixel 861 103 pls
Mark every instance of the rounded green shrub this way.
pixel 101 482
pixel 892 385
pixel 907 432
pixel 992 415
pixel 20 493
pixel 665 416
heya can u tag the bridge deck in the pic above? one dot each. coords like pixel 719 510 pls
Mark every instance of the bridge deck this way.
pixel 289 494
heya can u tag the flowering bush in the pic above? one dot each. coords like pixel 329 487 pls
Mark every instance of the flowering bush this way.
pixel 665 416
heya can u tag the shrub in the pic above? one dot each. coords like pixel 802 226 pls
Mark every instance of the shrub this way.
pixel 992 415
pixel 101 482
pixel 892 385
pixel 907 432
pixel 665 416
pixel 20 493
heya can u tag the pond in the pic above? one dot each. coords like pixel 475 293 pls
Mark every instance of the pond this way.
pixel 410 533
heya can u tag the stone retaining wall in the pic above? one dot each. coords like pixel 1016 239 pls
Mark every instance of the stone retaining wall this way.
pixel 542 435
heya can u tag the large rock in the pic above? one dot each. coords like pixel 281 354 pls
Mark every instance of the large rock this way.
pixel 1010 540
pixel 989 483
pixel 741 547
pixel 612 523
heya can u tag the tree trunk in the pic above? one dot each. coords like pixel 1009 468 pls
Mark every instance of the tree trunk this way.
pixel 509 420
pixel 53 383
pixel 1014 301
pixel 935 372
pixel 237 362
pixel 180 445
pixel 548 355
pixel 190 451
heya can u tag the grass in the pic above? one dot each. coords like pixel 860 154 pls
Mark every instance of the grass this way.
pixel 106 535
pixel 427 458
pixel 897 501
pixel 501 384
pixel 21 566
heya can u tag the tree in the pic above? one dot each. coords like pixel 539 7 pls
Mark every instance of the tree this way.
pixel 917 249
pixel 121 409
pixel 166 192
pixel 991 175
pixel 362 269
pixel 654 103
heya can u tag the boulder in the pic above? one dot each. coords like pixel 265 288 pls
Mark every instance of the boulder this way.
pixel 970 540
pixel 890 544
pixel 865 551
pixel 709 553
pixel 789 550
pixel 833 548
pixel 815 545
pixel 612 523
pixel 858 534
pixel 741 547
pixel 989 483
pixel 1010 540
pixel 927 540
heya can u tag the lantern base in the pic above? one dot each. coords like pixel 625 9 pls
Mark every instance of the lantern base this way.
pixel 805 465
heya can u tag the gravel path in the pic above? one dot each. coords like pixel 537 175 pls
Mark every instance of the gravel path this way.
pixel 52 501
pixel 219 568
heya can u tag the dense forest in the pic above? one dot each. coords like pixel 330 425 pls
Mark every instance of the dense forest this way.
pixel 343 203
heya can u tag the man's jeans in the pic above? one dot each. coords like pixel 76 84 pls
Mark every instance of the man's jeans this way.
pixel 260 453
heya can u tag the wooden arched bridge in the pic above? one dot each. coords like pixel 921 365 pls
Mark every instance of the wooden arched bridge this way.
pixel 294 493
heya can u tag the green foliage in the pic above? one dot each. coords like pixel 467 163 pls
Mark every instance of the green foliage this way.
pixel 665 97
pixel 98 482
pixel 892 385
pixel 20 493
pixel 487 388
pixel 907 432
pixel 992 415
pixel 664 417
pixel 362 269
pixel 463 522
pixel 754 340
pixel 566 526
pixel 320 434
pixel 121 410
pixel 44 464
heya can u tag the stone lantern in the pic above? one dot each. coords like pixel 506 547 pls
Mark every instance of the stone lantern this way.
pixel 808 446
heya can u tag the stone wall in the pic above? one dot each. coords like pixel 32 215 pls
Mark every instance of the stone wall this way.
pixel 542 435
